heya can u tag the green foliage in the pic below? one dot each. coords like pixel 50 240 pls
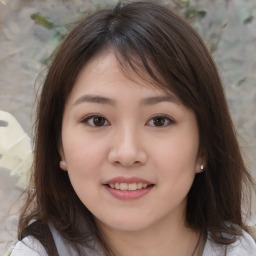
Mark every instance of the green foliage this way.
pixel 248 20
pixel 42 20
pixel 191 13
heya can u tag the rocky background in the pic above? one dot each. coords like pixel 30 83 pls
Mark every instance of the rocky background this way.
pixel 30 30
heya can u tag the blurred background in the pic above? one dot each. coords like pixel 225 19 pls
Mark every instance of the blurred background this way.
pixel 31 30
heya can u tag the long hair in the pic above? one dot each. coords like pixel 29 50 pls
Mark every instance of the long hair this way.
pixel 146 37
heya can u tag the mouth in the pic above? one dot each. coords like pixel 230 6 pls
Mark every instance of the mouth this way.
pixel 128 186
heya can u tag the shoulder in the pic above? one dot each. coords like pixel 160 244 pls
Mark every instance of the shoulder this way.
pixel 93 248
pixel 244 246
pixel 29 246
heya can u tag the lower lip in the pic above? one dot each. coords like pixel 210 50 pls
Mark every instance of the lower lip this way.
pixel 128 194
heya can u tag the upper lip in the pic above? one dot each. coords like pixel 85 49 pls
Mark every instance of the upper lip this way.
pixel 128 180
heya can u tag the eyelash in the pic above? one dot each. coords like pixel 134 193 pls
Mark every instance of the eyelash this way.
pixel 91 118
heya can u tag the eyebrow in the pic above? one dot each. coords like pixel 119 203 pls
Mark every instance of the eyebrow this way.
pixel 107 101
pixel 158 99
pixel 95 99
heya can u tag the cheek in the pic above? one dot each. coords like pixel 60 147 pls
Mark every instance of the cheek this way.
pixel 83 167
pixel 83 156
pixel 177 152
pixel 176 160
pixel 176 174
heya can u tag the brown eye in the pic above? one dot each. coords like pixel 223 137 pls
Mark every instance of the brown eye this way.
pixel 160 121
pixel 95 121
pixel 98 121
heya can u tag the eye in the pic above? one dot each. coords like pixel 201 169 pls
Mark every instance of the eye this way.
pixel 160 121
pixel 95 121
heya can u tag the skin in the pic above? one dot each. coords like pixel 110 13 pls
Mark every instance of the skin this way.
pixel 131 142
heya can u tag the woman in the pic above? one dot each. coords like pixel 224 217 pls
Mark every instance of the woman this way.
pixel 135 151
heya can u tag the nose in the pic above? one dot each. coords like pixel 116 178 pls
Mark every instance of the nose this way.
pixel 127 148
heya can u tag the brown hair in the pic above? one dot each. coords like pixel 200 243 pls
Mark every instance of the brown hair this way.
pixel 145 37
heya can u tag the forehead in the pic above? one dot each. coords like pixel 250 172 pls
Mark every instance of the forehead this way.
pixel 105 73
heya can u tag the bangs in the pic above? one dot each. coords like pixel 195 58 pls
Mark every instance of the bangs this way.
pixel 157 53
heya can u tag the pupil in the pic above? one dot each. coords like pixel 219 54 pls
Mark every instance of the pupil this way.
pixel 159 121
pixel 98 121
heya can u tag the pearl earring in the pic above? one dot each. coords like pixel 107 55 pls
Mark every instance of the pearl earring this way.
pixel 63 165
pixel 202 167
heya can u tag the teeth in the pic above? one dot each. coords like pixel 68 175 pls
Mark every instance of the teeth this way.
pixel 126 186
pixel 139 185
pixel 132 186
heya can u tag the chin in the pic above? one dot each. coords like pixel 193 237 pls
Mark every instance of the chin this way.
pixel 126 224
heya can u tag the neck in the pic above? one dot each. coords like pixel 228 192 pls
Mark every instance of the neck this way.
pixel 161 240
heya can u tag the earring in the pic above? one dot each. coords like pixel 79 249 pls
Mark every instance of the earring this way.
pixel 63 165
pixel 202 167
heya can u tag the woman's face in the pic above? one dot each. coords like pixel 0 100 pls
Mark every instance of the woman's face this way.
pixel 130 149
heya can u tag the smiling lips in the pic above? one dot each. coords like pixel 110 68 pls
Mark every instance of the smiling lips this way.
pixel 128 188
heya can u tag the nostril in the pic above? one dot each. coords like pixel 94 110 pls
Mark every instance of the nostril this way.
pixel 3 123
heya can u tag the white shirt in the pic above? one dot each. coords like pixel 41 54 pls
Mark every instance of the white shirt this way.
pixel 29 246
